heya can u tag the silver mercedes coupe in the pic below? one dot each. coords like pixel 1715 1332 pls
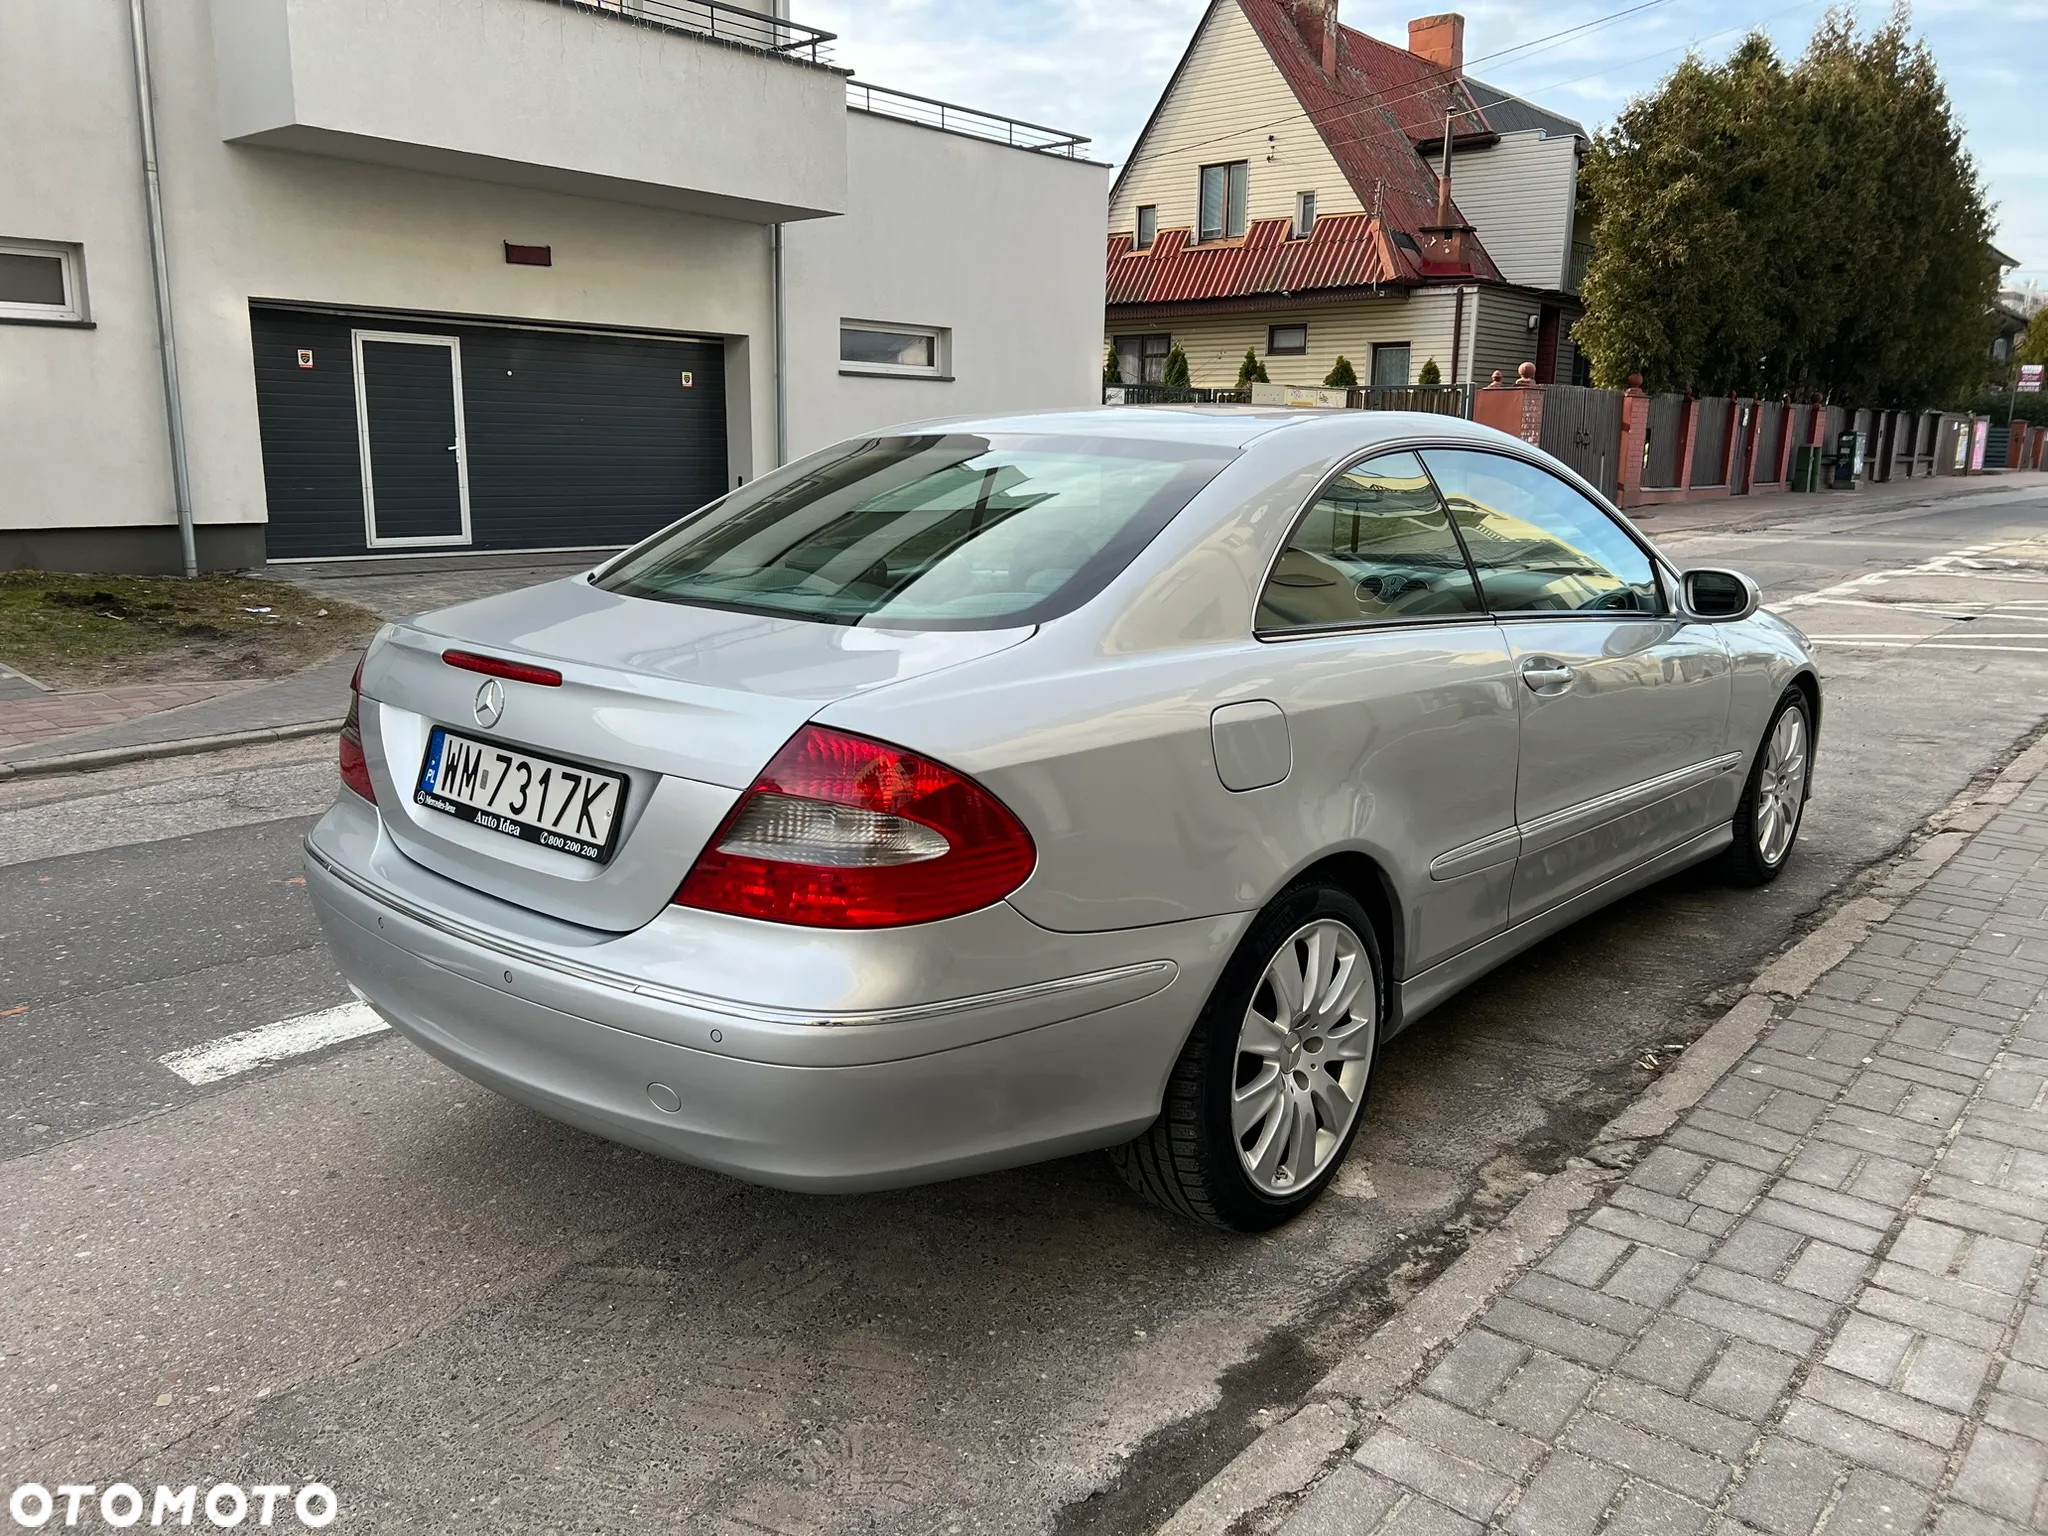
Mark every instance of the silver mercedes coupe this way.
pixel 997 789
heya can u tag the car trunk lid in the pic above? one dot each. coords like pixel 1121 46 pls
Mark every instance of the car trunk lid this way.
pixel 686 703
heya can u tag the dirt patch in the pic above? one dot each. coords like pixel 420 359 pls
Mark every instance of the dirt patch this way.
pixel 77 631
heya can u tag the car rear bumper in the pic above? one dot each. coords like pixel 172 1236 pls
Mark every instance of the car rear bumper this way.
pixel 949 1088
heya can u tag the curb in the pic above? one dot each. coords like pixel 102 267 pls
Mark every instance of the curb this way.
pixel 1381 1367
pixel 110 757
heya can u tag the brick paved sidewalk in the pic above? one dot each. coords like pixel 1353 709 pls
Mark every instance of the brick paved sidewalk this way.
pixel 41 716
pixel 1817 1304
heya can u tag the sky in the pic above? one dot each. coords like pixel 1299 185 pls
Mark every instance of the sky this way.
pixel 1097 66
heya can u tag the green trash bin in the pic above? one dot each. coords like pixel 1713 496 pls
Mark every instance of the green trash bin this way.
pixel 1806 462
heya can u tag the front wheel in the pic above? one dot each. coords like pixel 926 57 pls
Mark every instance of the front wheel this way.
pixel 1767 817
pixel 1266 1096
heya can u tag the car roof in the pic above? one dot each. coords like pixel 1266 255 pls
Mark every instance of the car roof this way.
pixel 1225 426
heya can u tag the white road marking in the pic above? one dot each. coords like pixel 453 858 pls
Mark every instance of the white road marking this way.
pixel 234 1054
pixel 1931 645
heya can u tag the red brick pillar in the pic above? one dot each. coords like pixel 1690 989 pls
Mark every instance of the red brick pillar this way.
pixel 1635 442
pixel 1516 409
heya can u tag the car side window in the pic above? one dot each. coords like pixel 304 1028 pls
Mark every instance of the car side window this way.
pixel 1374 547
pixel 1539 545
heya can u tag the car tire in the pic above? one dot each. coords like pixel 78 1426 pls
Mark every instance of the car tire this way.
pixel 1321 1056
pixel 1773 803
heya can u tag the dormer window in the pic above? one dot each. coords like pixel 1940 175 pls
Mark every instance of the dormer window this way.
pixel 1148 227
pixel 1304 214
pixel 1223 201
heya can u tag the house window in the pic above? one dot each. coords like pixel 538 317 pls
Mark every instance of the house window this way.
pixel 1142 359
pixel 1286 340
pixel 40 281
pixel 894 349
pixel 1390 365
pixel 1222 209
pixel 1304 214
pixel 1148 226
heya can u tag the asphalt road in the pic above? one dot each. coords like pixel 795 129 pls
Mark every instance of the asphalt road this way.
pixel 357 1267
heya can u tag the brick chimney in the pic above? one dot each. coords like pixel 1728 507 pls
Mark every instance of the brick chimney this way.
pixel 1316 21
pixel 1439 39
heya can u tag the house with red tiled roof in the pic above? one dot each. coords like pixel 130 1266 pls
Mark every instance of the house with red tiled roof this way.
pixel 1289 196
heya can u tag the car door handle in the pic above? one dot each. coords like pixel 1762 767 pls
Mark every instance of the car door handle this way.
pixel 1546 674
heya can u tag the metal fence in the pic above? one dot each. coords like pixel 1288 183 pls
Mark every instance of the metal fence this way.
pixel 1661 466
pixel 722 23
pixel 1710 442
pixel 1770 438
pixel 1583 427
pixel 1172 394
pixel 954 118
pixel 1430 399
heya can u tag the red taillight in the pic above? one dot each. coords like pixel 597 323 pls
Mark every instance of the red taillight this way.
pixel 842 832
pixel 355 768
pixel 512 671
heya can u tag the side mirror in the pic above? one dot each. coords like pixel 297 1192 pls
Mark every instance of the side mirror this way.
pixel 1719 597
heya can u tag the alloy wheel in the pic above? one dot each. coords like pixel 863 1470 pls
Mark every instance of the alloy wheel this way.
pixel 1781 788
pixel 1304 1052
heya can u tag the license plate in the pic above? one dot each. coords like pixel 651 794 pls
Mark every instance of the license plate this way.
pixel 564 806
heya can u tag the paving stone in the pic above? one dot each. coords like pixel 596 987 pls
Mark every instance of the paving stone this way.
pixel 1543 1395
pixel 1833 1202
pixel 1694 1138
pixel 1472 1439
pixel 1940 1291
pixel 2028 1381
pixel 1858 1440
pixel 1748 1131
pixel 1996 1265
pixel 1470 1490
pixel 1929 1318
pixel 1585 1257
pixel 1946 1373
pixel 1983 1209
pixel 1668 1170
pixel 1830 1229
pixel 1744 1322
pixel 1648 1229
pixel 1962 1520
pixel 1349 1502
pixel 1647 1510
pixel 1691 1425
pixel 1872 1504
pixel 1795 1306
pixel 2030 1343
pixel 1870 1347
pixel 1747 1381
pixel 1595 1307
pixel 1928 1245
pixel 1632 1197
pixel 1649 1276
pixel 1671 1353
pixel 1425 1517
pixel 1567 1497
pixel 1559 1335
pixel 2023 1416
pixel 1892 1410
pixel 1786 1489
pixel 1829 1272
pixel 1728 1187
pixel 1474 1368
pixel 2003 1474
pixel 1671 1466
pixel 1758 1248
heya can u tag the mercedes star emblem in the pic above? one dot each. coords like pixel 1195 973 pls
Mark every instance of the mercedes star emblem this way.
pixel 490 703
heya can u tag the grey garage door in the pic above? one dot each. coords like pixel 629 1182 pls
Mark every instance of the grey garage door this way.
pixel 411 434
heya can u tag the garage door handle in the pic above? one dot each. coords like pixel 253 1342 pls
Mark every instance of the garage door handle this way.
pixel 1543 675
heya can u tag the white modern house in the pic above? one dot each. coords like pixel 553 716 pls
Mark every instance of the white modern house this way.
pixel 293 279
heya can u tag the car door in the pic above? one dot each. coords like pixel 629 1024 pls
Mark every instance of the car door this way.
pixel 1399 695
pixel 1624 702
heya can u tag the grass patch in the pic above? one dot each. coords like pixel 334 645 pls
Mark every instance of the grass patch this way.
pixel 83 630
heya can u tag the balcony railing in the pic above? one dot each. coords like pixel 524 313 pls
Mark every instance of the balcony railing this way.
pixel 954 118
pixel 722 23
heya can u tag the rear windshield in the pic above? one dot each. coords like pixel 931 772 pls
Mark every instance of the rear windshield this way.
pixel 940 531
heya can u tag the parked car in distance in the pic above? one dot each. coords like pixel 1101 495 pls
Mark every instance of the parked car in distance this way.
pixel 999 789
